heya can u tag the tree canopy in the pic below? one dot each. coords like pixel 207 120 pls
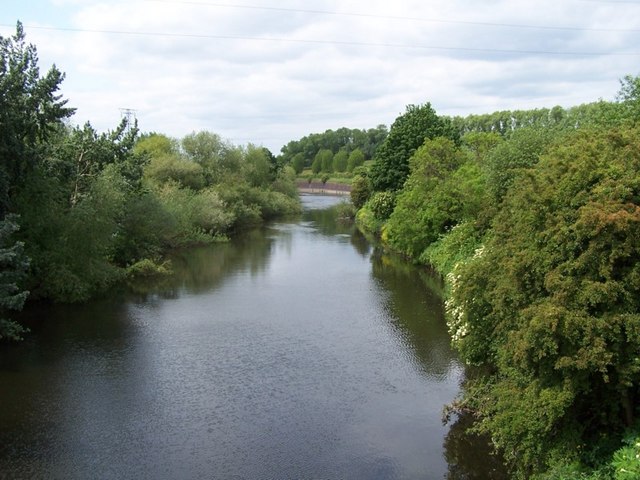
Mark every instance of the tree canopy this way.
pixel 30 109
pixel 409 131
pixel 302 152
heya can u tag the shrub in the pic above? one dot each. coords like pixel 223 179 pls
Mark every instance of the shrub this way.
pixel 382 204
pixel 360 191
pixel 148 268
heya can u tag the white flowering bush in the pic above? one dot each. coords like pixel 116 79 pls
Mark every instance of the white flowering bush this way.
pixel 626 461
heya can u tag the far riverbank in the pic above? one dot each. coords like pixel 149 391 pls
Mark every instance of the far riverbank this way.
pixel 324 188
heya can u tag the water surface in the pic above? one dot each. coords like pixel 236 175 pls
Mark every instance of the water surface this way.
pixel 296 351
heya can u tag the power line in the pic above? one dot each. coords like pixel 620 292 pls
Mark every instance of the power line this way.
pixel 405 18
pixel 331 42
pixel 628 2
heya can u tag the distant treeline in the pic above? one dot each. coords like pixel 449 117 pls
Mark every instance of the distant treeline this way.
pixel 340 150
pixel 504 122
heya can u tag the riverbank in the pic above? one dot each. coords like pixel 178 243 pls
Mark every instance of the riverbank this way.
pixel 324 188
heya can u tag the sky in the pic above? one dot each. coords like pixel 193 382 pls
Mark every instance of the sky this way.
pixel 270 71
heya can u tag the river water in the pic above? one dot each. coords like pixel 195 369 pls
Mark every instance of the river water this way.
pixel 298 351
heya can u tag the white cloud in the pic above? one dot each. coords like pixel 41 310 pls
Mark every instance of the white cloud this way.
pixel 259 72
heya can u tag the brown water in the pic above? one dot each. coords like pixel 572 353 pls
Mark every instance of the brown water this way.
pixel 296 352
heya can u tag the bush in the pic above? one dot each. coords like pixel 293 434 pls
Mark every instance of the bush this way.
pixel 382 204
pixel 367 221
pixel 455 246
pixel 346 212
pixel 148 268
pixel 171 167
pixel 626 461
pixel 360 191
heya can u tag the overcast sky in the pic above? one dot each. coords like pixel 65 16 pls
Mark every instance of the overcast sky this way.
pixel 271 71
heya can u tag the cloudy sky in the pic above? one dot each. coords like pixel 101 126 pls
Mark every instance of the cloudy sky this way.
pixel 271 71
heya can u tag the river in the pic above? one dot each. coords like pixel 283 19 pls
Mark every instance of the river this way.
pixel 298 351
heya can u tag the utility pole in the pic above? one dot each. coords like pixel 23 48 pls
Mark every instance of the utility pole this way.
pixel 128 113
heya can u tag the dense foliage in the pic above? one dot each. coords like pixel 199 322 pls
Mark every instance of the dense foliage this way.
pixel 408 132
pixel 81 210
pixel 350 146
pixel 534 220
pixel 559 325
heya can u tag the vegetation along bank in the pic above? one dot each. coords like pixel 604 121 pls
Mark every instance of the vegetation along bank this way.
pixel 83 210
pixel 533 218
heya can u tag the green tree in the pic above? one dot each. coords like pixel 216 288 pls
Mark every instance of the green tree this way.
pixel 409 131
pixel 355 160
pixel 374 138
pixel 257 166
pixel 335 140
pixel 360 190
pixel 30 110
pixel 78 155
pixel 340 161
pixel 508 159
pixel 629 96
pixel 326 160
pixel 219 159
pixel 13 267
pixel 298 162
pixel 156 145
pixel 316 166
pixel 145 229
pixel 171 167
pixel 481 143
pixel 437 196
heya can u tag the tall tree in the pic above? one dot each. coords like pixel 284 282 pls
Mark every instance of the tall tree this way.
pixel 629 95
pixel 356 159
pixel 340 160
pixel 30 108
pixel 408 132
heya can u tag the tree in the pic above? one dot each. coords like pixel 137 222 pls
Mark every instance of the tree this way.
pixel 508 159
pixel 257 166
pixel 298 162
pixel 340 161
pixel 433 199
pixel 78 155
pixel 629 95
pixel 219 159
pixel 356 159
pixel 316 166
pixel 324 158
pixel 13 267
pixel 407 134
pixel 167 167
pixel 360 190
pixel 374 138
pixel 480 143
pixel 335 140
pixel 30 109
pixel 156 145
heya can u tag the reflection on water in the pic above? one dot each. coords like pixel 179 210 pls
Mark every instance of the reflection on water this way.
pixel 201 269
pixel 297 351
pixel 470 457
pixel 416 313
